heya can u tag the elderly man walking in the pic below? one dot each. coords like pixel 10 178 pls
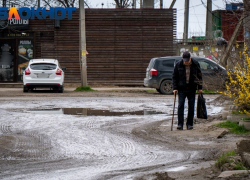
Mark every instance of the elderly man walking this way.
pixel 187 78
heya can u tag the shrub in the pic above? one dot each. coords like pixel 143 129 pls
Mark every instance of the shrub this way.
pixel 238 86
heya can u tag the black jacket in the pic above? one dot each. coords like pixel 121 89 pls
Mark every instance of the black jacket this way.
pixel 179 76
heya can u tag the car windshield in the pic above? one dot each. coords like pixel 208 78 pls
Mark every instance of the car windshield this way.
pixel 43 66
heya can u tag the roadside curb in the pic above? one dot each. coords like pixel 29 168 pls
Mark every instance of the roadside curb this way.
pixel 94 88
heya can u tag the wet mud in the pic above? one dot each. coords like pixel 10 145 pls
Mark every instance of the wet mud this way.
pixel 118 145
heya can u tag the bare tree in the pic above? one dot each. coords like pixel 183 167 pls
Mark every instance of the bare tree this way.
pixel 64 3
pixel 45 3
pixel 123 3
pixel 16 3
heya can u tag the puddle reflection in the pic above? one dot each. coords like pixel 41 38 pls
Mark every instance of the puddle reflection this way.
pixel 89 112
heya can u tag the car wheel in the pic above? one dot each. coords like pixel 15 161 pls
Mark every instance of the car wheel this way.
pixel 25 89
pixel 166 87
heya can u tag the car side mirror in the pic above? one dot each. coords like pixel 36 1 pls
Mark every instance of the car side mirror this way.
pixel 64 68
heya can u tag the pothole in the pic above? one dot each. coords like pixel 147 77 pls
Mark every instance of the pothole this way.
pixel 90 112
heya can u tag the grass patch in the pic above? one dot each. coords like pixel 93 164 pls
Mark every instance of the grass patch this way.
pixel 246 119
pixel 151 91
pixel 84 88
pixel 240 166
pixel 238 112
pixel 209 92
pixel 223 159
pixel 233 127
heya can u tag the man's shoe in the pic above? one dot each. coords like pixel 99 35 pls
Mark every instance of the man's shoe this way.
pixel 189 127
pixel 179 127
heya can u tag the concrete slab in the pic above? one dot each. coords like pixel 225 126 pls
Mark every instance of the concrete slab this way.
pixel 225 174
pixel 246 158
pixel 246 124
pixel 222 134
pixel 236 117
pixel 243 146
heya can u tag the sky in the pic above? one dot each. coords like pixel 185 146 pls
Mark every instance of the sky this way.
pixel 197 13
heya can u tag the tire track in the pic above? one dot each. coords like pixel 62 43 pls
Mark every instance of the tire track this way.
pixel 24 145
pixel 5 129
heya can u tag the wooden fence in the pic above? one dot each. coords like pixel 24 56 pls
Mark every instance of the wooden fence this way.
pixel 120 43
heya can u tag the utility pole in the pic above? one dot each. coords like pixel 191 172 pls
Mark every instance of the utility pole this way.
pixel 209 30
pixel 38 3
pixel 161 4
pixel 172 4
pixel 83 59
pixel 186 18
pixel 134 4
pixel 141 6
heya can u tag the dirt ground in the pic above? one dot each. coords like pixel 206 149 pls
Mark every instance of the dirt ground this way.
pixel 203 137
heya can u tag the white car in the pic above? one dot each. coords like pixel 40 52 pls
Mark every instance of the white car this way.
pixel 43 73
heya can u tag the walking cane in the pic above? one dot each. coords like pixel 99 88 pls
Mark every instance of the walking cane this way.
pixel 173 112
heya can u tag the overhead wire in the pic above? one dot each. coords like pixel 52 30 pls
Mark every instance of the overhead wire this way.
pixel 221 19
pixel 214 14
pixel 217 6
pixel 186 8
pixel 190 7
pixel 197 20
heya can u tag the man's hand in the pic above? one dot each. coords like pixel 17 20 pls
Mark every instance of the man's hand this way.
pixel 175 91
pixel 199 91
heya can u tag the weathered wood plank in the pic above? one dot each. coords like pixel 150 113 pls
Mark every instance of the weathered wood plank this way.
pixel 120 43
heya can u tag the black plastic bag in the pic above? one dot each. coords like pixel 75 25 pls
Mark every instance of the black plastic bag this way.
pixel 201 107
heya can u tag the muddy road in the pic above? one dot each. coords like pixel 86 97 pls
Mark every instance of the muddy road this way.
pixel 111 134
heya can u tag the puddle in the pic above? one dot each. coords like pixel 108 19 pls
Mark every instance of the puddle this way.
pixel 200 143
pixel 89 112
pixel 177 168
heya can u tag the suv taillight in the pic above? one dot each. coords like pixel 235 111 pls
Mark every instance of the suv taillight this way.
pixel 58 71
pixel 153 72
pixel 27 71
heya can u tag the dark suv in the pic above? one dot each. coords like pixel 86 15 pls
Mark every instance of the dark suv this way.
pixel 160 69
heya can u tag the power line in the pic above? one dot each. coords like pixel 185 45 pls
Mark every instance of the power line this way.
pixel 217 5
pixel 215 15
pixel 197 19
pixel 190 7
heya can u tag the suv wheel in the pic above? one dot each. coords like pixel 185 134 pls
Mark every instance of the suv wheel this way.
pixel 166 87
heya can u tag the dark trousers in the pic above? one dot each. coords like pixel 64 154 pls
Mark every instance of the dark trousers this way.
pixel 190 95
